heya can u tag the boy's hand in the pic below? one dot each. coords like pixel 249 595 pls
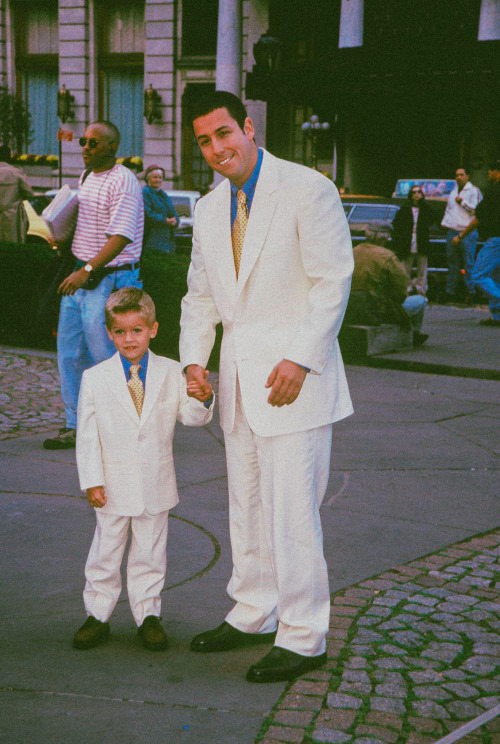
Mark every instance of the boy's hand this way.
pixel 197 385
pixel 96 497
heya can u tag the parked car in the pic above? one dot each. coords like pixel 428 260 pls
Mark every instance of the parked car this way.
pixel 184 203
pixel 360 211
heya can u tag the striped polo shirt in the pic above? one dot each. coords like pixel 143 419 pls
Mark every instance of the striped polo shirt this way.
pixel 110 203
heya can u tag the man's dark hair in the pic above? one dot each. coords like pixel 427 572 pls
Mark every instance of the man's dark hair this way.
pixel 217 99
pixel 4 154
pixel 465 169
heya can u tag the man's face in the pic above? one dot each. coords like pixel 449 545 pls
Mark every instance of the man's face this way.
pixel 416 194
pixel 98 157
pixel 227 148
pixel 131 334
pixel 461 177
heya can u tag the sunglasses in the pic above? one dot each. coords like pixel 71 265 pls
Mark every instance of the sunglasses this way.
pixel 91 142
pixel 416 191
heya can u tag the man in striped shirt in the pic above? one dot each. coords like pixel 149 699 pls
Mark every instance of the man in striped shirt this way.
pixel 107 246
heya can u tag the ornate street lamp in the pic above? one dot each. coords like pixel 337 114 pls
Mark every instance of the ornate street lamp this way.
pixel 311 129
pixel 65 103
pixel 267 55
pixel 152 105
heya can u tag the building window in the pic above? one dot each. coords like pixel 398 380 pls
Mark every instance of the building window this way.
pixel 121 36
pixel 424 28
pixel 199 28
pixel 37 71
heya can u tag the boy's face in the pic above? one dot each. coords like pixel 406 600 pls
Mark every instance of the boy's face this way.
pixel 131 334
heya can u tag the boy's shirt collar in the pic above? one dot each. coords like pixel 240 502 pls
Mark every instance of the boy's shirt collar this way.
pixel 143 370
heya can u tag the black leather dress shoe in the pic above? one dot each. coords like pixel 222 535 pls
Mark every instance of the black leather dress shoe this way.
pixel 152 634
pixel 91 634
pixel 281 665
pixel 226 637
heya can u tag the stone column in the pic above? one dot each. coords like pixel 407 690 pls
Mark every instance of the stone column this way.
pixel 489 21
pixel 228 70
pixel 351 23
pixel 75 66
pixel 159 137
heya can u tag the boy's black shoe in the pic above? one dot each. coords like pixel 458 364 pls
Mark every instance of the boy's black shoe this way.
pixel 66 439
pixel 419 338
pixel 91 634
pixel 281 665
pixel 152 634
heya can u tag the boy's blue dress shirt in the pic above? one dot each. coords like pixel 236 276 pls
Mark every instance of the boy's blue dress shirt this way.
pixel 142 372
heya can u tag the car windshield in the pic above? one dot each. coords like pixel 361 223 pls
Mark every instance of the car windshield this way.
pixel 182 205
pixel 367 212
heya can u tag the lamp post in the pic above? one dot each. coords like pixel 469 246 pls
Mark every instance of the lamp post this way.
pixel 311 128
pixel 65 111
pixel 152 105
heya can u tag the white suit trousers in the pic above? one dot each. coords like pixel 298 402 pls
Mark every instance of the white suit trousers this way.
pixel 276 486
pixel 146 564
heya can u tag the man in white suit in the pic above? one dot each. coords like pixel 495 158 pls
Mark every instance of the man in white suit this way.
pixel 125 464
pixel 282 381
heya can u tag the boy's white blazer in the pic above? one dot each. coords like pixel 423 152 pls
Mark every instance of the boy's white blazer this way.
pixel 131 456
pixel 287 303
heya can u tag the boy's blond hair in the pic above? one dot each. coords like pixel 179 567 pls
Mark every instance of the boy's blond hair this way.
pixel 129 299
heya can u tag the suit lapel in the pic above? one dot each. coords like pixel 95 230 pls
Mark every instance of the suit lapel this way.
pixel 154 380
pixel 115 378
pixel 263 207
pixel 220 230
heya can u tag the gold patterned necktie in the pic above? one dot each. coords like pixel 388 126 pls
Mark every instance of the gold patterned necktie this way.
pixel 239 228
pixel 135 387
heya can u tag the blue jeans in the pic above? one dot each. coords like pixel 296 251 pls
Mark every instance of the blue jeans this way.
pixel 486 274
pixel 82 339
pixel 461 256
pixel 415 307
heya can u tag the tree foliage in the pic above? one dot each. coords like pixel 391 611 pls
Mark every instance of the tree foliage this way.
pixel 15 121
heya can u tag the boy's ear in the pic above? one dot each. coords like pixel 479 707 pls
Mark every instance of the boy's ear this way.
pixel 109 333
pixel 153 330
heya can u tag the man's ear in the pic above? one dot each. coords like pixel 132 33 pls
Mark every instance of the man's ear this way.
pixel 248 128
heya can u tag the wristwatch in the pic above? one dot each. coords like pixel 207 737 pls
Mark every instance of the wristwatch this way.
pixel 88 268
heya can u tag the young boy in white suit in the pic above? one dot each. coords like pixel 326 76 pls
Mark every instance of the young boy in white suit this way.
pixel 127 410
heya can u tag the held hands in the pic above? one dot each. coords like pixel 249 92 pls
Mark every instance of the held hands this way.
pixel 197 385
pixel 455 240
pixel 285 381
pixel 96 497
pixel 171 221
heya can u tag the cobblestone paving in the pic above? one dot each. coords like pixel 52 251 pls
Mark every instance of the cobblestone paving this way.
pixel 412 655
pixel 30 397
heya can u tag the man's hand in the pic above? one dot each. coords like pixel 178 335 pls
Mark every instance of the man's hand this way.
pixel 285 381
pixel 458 199
pixel 197 385
pixel 55 244
pixel 96 497
pixel 74 281
pixel 171 221
pixel 455 240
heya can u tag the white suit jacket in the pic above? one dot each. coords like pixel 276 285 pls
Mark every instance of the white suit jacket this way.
pixel 287 303
pixel 131 456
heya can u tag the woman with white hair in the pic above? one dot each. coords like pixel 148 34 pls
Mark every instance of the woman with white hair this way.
pixel 160 217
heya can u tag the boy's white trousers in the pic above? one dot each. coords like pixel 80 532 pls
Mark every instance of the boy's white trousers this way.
pixel 146 564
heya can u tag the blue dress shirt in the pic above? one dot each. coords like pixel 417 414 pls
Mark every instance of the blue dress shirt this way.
pixel 248 188
pixel 142 372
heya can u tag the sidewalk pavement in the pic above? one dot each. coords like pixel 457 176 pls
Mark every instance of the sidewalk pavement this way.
pixel 411 522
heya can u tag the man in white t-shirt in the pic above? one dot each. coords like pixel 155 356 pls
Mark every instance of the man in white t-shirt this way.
pixel 107 247
pixel 462 202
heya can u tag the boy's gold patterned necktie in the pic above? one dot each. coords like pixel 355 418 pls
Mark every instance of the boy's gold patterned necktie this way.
pixel 135 387
pixel 239 228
